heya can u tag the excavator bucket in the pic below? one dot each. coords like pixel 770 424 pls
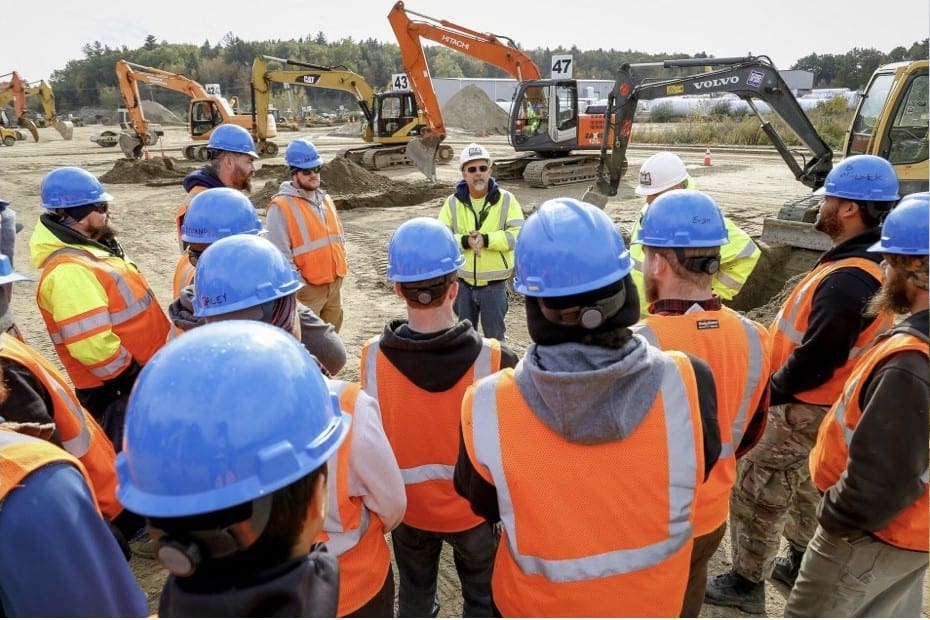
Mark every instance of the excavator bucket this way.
pixel 131 146
pixel 31 127
pixel 794 225
pixel 65 128
pixel 422 152
pixel 591 196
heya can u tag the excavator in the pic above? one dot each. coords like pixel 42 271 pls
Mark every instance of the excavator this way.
pixel 496 50
pixel 890 121
pixel 392 119
pixel 16 90
pixel 205 113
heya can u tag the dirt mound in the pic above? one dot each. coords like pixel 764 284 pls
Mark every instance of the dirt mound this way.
pixel 157 113
pixel 351 186
pixel 766 314
pixel 472 110
pixel 144 170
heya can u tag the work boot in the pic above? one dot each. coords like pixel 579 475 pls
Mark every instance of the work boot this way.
pixel 786 568
pixel 733 590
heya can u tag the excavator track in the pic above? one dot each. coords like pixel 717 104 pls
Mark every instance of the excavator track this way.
pixel 382 158
pixel 560 171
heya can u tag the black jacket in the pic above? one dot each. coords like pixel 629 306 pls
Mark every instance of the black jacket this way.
pixel 836 320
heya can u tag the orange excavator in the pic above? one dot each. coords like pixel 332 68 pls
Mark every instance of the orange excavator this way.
pixel 16 90
pixel 495 50
pixel 546 123
pixel 205 113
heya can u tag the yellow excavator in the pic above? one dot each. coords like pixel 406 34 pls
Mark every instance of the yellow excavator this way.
pixel 16 90
pixel 392 119
pixel 890 121
pixel 205 113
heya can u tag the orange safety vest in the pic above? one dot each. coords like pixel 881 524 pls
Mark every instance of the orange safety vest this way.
pixel 318 244
pixel 787 331
pixel 911 528
pixel 590 530
pixel 183 275
pixel 182 210
pixel 352 533
pixel 737 351
pixel 20 455
pixel 133 314
pixel 423 430
pixel 80 434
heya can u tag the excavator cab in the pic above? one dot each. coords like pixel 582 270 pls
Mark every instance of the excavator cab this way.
pixel 204 116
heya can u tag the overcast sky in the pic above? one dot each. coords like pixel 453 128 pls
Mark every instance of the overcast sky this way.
pixel 38 39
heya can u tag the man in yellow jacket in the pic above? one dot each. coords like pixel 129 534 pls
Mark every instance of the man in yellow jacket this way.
pixel 101 315
pixel 486 220
pixel 663 172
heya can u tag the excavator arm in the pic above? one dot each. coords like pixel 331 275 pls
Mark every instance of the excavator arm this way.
pixel 47 97
pixel 15 91
pixel 496 50
pixel 747 77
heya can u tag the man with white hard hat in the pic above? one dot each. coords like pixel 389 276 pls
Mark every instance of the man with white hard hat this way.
pixel 486 220
pixel 663 172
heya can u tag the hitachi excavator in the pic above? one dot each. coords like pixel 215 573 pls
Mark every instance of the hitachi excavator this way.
pixel 205 113
pixel 16 90
pixel 891 122
pixel 392 119
pixel 493 49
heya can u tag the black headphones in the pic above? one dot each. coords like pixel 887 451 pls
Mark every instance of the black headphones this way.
pixel 588 317
pixel 182 553
pixel 700 264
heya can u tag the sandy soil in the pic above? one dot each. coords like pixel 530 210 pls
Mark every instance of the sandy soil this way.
pixel 747 186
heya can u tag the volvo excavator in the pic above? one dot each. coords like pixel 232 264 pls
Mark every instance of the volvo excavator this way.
pixel 16 90
pixel 496 50
pixel 392 119
pixel 206 111
pixel 891 121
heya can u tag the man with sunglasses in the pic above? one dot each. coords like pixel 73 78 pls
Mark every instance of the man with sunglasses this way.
pixel 100 312
pixel 486 220
pixel 303 223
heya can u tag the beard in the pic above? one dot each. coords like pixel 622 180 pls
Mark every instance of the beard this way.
pixel 650 289
pixel 891 297
pixel 103 232
pixel 827 223
pixel 480 186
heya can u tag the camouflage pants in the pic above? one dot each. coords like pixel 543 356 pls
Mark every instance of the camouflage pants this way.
pixel 773 494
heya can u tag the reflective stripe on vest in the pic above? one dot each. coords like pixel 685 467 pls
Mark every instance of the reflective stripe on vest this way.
pixel 307 244
pixel 830 454
pixel 502 224
pixel 83 328
pixel 679 433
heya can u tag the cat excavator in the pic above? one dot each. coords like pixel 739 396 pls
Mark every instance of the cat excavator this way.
pixel 496 50
pixel 890 121
pixel 392 119
pixel 206 111
pixel 16 90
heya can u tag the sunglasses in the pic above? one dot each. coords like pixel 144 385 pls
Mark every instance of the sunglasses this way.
pixel 193 255
pixel 101 207
pixel 474 169
pixel 316 170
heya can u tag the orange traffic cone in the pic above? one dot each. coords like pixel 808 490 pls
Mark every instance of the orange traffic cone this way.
pixel 707 157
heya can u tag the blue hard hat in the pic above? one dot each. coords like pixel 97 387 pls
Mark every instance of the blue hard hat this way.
pixel 683 218
pixel 302 154
pixel 232 138
pixel 906 229
pixel 231 412
pixel 219 212
pixel 69 186
pixel 422 249
pixel 241 271
pixel 568 247
pixel 862 177
pixel 7 274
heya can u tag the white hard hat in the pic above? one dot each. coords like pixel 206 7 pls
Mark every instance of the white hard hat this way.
pixel 660 172
pixel 472 152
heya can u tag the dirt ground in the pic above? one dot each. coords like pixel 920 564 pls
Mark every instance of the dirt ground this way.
pixel 748 186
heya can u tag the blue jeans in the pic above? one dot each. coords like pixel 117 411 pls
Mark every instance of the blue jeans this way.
pixel 487 302
pixel 417 554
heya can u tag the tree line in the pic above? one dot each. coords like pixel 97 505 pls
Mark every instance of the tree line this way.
pixel 91 81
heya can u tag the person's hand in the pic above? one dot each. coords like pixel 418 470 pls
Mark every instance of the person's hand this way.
pixel 476 241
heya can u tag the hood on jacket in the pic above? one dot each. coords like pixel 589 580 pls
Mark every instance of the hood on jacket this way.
pixel 205 176
pixel 50 236
pixel 588 394
pixel 493 195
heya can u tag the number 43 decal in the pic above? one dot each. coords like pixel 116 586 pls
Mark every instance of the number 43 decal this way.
pixel 399 81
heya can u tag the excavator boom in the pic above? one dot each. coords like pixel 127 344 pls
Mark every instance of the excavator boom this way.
pixel 493 49
pixel 47 97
